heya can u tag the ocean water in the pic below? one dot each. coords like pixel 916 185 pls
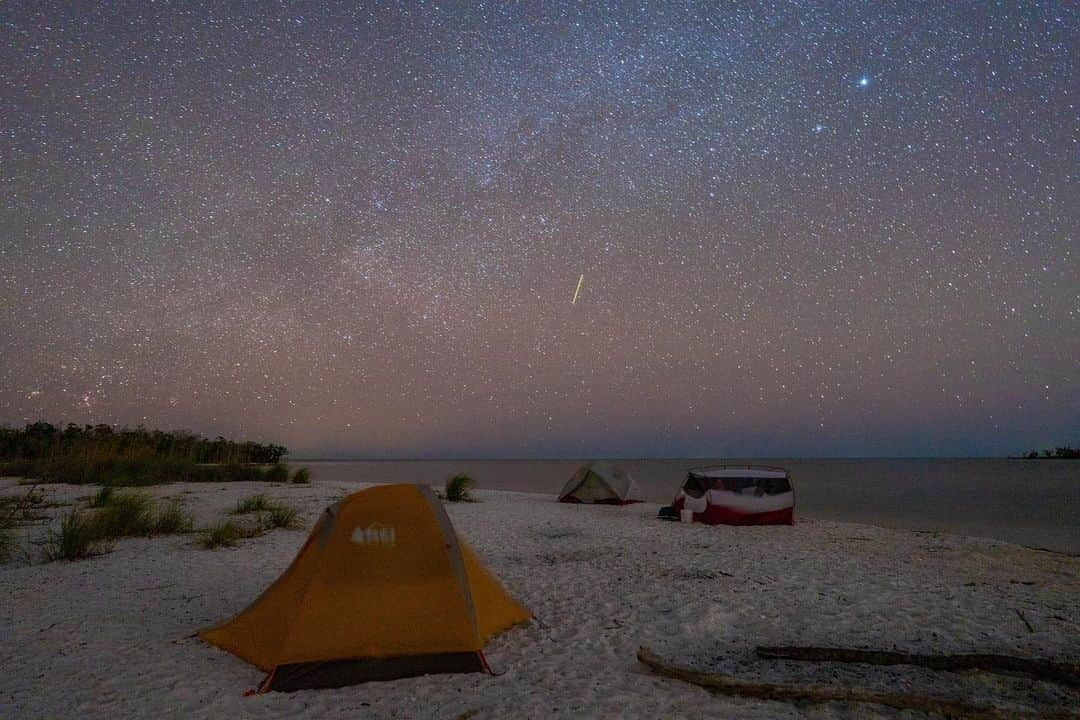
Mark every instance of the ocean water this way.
pixel 1028 502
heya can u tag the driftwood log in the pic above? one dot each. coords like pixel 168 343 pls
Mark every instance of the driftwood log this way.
pixel 1056 672
pixel 785 692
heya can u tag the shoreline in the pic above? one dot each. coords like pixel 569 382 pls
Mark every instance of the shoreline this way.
pixel 799 515
pixel 1023 503
pixel 601 581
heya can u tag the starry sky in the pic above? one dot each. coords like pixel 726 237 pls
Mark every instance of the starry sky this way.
pixel 358 229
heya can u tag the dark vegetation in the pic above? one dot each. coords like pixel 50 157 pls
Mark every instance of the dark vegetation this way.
pixel 100 454
pixel 75 540
pixel 226 533
pixel 280 516
pixel 115 515
pixel 457 488
pixel 252 504
pixel 111 514
pixel 19 511
pixel 269 516
pixel 1066 452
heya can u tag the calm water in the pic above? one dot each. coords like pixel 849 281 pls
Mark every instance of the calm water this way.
pixel 1030 502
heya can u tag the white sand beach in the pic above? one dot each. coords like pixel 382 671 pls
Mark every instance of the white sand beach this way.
pixel 111 636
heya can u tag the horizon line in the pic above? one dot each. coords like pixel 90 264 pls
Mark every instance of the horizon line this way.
pixel 314 458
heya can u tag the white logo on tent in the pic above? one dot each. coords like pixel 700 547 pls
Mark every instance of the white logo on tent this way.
pixel 375 535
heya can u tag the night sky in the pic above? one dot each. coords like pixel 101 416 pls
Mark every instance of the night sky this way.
pixel 358 229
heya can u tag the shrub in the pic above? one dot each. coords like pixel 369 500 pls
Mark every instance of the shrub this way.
pixel 77 539
pixel 125 515
pixel 173 519
pixel 7 523
pixel 302 476
pixel 102 497
pixel 17 468
pixel 255 503
pixel 457 488
pixel 230 473
pixel 16 512
pixel 280 516
pixel 277 473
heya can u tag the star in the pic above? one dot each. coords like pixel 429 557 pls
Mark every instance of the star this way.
pixel 339 231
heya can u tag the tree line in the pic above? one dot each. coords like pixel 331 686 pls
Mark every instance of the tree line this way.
pixel 42 440
pixel 1066 452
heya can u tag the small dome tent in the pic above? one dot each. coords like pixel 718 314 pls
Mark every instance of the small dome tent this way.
pixel 738 495
pixel 381 589
pixel 600 482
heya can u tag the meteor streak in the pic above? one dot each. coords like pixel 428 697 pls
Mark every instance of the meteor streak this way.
pixel 578 291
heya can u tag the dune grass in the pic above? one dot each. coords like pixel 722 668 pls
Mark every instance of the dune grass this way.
pixel 227 532
pixel 125 515
pixel 252 504
pixel 224 534
pixel 302 476
pixel 269 516
pixel 76 539
pixel 457 488
pixel 173 520
pixel 280 516
pixel 115 515
pixel 135 515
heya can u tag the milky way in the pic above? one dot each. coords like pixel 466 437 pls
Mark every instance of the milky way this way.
pixel 357 228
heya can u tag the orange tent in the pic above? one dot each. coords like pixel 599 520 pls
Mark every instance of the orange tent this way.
pixel 382 589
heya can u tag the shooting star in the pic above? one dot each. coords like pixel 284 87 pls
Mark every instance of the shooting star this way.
pixel 578 291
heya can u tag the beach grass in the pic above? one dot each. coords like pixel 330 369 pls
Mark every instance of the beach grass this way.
pixel 115 515
pixel 173 520
pixel 269 516
pixel 224 534
pixel 227 532
pixel 252 504
pixel 125 515
pixel 76 539
pixel 302 476
pixel 280 516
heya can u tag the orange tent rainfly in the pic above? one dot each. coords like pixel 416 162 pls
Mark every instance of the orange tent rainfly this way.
pixel 382 589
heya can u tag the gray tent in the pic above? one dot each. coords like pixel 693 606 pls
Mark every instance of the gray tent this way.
pixel 600 482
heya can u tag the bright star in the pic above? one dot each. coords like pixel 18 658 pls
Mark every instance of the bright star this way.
pixel 864 81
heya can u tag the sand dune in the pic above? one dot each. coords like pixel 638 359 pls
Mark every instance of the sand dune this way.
pixel 111 636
